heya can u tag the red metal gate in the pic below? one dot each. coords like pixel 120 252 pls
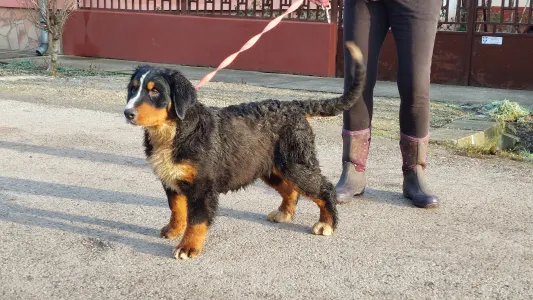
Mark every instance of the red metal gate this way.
pixel 486 43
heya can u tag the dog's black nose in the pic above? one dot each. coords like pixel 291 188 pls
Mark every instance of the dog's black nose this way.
pixel 130 113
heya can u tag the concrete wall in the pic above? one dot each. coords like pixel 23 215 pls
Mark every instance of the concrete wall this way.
pixel 307 48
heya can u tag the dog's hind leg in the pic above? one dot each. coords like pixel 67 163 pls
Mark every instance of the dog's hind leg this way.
pixel 297 163
pixel 314 186
pixel 325 200
pixel 286 189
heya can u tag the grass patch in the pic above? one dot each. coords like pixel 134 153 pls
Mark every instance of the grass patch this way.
pixel 36 67
pixel 505 111
pixel 386 121
pixel 514 120
pixel 444 113
pixel 501 111
pixel 489 152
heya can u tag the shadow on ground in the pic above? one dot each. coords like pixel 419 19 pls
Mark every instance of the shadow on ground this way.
pixel 385 197
pixel 15 213
pixel 121 160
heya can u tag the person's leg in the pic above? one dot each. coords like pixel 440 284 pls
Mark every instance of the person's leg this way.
pixel 365 23
pixel 414 26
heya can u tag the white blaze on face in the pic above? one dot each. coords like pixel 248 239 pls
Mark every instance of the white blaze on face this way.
pixel 137 97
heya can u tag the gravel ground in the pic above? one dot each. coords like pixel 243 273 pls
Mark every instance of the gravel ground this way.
pixel 107 94
pixel 80 212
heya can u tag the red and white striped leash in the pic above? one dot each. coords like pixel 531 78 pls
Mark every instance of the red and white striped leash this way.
pixel 226 62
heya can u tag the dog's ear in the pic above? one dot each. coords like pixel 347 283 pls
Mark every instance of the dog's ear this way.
pixel 183 94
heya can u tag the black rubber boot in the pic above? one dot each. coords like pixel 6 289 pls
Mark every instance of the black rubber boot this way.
pixel 415 187
pixel 354 155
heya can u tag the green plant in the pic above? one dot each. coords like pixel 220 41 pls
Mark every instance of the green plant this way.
pixel 505 110
pixel 301 13
pixel 29 66
pixel 21 64
pixel 249 11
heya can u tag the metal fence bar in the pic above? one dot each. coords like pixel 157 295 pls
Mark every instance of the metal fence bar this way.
pixel 515 19
pixel 447 8
pixel 334 11
pixel 502 10
pixel 471 28
pixel 508 17
pixel 489 14
pixel 227 8
pixel 529 17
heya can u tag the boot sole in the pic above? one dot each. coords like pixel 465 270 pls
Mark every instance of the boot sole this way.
pixel 430 205
pixel 350 199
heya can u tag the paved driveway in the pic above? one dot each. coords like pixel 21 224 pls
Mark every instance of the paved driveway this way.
pixel 80 214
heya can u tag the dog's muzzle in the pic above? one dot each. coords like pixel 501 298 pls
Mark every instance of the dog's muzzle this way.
pixel 130 114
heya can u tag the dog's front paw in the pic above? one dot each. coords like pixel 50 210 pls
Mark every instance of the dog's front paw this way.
pixel 171 232
pixel 192 242
pixel 321 228
pixel 279 217
pixel 186 251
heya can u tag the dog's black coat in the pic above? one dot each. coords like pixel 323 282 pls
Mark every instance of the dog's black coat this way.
pixel 230 147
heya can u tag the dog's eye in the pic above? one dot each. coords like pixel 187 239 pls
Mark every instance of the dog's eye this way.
pixel 153 93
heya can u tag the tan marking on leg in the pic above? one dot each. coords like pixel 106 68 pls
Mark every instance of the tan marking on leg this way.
pixel 289 195
pixel 286 210
pixel 192 242
pixel 324 226
pixel 325 215
pixel 148 115
pixel 178 217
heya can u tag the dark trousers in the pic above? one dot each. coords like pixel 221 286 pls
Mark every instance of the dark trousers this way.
pixel 414 25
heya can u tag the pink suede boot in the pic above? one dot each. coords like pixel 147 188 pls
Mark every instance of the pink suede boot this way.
pixel 354 155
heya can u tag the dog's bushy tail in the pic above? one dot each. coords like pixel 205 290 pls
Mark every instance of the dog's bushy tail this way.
pixel 335 106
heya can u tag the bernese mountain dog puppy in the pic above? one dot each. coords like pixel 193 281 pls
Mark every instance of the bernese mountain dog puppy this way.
pixel 199 152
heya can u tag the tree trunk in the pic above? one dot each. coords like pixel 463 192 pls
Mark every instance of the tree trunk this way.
pixel 53 59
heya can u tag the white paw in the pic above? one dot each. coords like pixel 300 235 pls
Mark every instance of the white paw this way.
pixel 184 252
pixel 279 217
pixel 321 228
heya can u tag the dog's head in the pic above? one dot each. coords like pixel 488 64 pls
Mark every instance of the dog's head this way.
pixel 156 96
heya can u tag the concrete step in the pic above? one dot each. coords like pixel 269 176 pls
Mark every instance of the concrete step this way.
pixel 467 132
